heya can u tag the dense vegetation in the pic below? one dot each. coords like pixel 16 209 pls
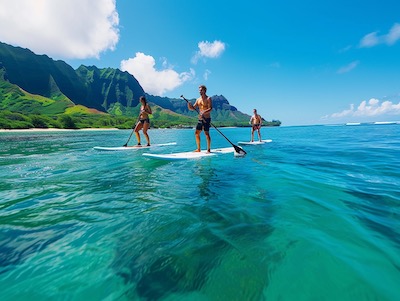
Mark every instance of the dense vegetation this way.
pixel 159 119
pixel 38 92
pixel 13 120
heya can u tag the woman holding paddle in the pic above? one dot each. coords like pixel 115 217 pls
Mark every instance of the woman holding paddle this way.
pixel 143 121
pixel 204 104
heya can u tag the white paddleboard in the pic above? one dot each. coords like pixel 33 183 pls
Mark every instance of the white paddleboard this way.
pixel 254 142
pixel 190 155
pixel 129 148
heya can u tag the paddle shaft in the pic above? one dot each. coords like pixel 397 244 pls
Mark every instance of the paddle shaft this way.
pixel 133 130
pixel 237 148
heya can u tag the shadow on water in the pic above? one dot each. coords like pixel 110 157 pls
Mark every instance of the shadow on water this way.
pixel 180 248
pixel 376 212
pixel 16 246
pixel 162 269
pixel 206 174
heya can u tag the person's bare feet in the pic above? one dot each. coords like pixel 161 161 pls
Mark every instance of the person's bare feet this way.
pixel 196 151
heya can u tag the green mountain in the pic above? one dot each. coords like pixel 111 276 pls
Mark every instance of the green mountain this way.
pixel 105 87
pixel 87 86
pixel 51 93
pixel 15 99
pixel 223 114
pixel 40 75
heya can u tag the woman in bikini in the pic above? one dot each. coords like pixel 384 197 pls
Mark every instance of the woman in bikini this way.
pixel 144 121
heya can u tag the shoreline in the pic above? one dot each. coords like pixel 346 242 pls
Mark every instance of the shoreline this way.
pixel 54 130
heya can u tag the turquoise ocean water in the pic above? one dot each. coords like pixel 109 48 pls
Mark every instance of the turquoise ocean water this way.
pixel 314 215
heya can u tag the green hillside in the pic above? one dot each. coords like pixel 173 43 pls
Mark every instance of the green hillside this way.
pixel 36 91
pixel 108 86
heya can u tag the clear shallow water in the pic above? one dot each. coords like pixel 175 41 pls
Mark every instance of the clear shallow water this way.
pixel 314 215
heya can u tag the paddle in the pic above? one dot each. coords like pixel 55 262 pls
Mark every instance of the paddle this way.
pixel 133 130
pixel 238 149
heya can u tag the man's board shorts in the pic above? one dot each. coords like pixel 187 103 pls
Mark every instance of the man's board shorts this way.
pixel 204 124
pixel 256 126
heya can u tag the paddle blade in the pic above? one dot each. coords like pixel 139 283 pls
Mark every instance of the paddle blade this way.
pixel 239 152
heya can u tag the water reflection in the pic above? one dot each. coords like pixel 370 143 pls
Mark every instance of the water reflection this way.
pixel 183 246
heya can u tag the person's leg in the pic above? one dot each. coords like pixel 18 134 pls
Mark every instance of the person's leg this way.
pixel 208 137
pixel 259 134
pixel 145 128
pixel 138 127
pixel 252 134
pixel 197 135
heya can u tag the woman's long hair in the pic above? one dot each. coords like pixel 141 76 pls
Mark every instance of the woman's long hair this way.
pixel 143 98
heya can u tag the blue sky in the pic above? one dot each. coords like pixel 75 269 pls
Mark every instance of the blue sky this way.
pixel 302 62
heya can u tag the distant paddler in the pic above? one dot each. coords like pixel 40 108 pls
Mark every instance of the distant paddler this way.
pixel 256 122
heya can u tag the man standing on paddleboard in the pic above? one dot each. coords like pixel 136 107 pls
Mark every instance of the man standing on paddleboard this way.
pixel 256 122
pixel 204 103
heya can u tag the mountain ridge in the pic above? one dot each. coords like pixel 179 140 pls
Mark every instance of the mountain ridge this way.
pixel 105 90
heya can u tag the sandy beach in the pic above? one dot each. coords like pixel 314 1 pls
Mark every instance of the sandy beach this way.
pixel 55 130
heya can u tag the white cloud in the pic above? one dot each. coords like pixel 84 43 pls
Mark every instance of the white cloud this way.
pixel 373 39
pixel 344 113
pixel 345 49
pixel 370 108
pixel 206 74
pixel 208 50
pixel 153 81
pixel 369 40
pixel 61 29
pixel 348 68
pixel 394 34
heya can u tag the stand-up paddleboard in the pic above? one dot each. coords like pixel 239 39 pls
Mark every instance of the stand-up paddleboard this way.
pixel 130 148
pixel 190 155
pixel 254 142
